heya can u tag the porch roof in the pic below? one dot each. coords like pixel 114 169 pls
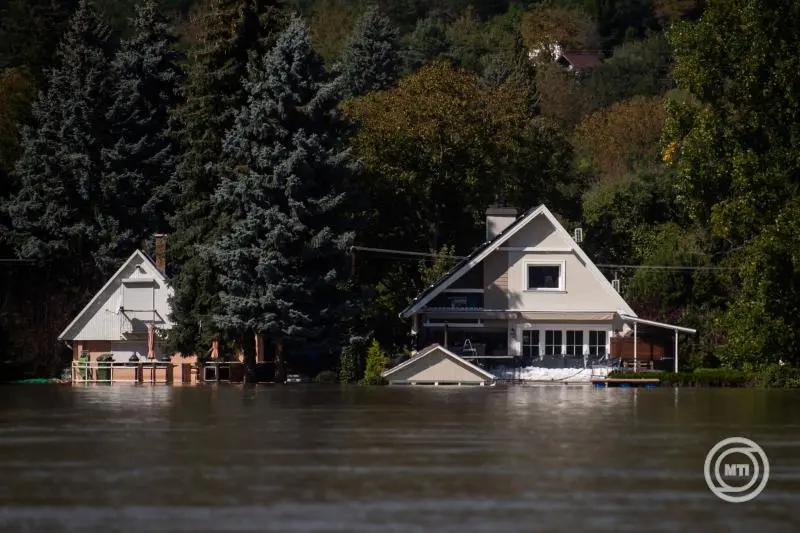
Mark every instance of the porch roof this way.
pixel 551 316
pixel 637 320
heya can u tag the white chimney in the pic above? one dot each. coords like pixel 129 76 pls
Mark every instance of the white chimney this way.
pixel 498 219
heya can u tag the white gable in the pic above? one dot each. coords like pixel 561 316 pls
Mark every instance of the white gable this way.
pixel 538 238
pixel 135 295
pixel 437 364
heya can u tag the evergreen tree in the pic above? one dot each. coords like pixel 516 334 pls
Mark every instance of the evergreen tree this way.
pixel 63 209
pixel 231 31
pixel 281 261
pixel 426 43
pixel 371 60
pixel 141 155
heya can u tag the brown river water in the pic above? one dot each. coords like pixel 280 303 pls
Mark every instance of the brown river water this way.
pixel 297 458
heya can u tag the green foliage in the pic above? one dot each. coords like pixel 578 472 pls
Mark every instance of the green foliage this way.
pixel 351 361
pixel 281 264
pixel 326 376
pixel 64 215
pixel 230 32
pixel 428 42
pixel 140 157
pixel 735 136
pixel 371 59
pixel 772 376
pixel 439 266
pixel 376 365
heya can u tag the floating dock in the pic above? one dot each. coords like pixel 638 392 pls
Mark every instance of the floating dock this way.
pixel 626 382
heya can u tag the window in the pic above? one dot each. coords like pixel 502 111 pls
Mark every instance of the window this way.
pixel 574 342
pixel 544 277
pixel 552 342
pixel 530 345
pixel 597 343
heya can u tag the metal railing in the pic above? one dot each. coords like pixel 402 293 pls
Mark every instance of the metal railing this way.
pixel 135 372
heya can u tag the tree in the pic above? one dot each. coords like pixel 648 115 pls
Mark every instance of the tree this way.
pixel 733 142
pixel 140 157
pixel 16 93
pixel 281 263
pixel 371 59
pixel 376 364
pixel 544 27
pixel 426 43
pixel 623 137
pixel 64 210
pixel 231 31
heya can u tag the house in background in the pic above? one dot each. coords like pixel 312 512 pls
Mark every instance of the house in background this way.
pixel 124 322
pixel 572 60
pixel 530 296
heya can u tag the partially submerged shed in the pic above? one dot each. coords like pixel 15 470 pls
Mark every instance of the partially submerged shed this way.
pixel 436 365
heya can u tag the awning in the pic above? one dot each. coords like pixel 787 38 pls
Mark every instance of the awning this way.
pixel 637 320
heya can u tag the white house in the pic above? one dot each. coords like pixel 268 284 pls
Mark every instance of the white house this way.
pixel 127 315
pixel 530 295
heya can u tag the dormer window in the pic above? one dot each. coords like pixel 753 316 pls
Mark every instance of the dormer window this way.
pixel 544 276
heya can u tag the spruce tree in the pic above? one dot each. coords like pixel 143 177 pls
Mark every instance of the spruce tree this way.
pixel 64 215
pixel 281 263
pixel 231 31
pixel 140 157
pixel 371 60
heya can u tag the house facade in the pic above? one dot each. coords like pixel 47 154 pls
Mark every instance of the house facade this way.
pixel 125 322
pixel 528 294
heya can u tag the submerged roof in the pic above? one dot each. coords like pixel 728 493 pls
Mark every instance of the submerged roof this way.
pixel 581 59
pixel 427 351
pixel 482 251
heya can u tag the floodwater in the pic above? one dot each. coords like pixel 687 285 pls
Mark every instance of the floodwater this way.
pixel 295 458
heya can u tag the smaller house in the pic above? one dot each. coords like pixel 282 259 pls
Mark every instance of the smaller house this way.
pixel 436 365
pixel 117 336
pixel 572 60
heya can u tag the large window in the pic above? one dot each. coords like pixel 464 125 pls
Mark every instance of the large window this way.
pixel 544 277
pixel 552 342
pixel 574 342
pixel 597 343
pixel 530 345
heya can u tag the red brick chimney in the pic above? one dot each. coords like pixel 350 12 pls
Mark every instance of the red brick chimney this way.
pixel 161 252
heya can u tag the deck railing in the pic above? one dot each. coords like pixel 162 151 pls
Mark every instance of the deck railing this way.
pixel 117 372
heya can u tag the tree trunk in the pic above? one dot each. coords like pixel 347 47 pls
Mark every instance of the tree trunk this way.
pixel 280 367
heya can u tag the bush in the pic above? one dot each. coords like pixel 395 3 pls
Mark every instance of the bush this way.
pixel 326 376
pixel 376 364
pixel 350 361
pixel 780 376
pixel 701 377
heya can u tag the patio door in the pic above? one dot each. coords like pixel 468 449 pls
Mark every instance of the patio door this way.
pixel 530 346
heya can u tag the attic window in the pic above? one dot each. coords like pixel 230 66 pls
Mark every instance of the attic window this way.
pixel 544 277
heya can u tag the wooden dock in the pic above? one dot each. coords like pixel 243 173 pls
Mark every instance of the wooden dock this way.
pixel 626 382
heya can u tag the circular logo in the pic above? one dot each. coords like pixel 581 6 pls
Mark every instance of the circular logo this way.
pixel 736 469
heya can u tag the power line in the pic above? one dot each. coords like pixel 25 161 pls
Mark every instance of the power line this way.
pixel 600 265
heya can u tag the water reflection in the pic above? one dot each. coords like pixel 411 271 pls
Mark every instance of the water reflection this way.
pixel 284 458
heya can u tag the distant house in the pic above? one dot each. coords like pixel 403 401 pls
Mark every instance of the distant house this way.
pixel 573 60
pixel 126 319
pixel 530 296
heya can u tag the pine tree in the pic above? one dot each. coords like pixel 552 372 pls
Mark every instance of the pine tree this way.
pixel 63 209
pixel 141 155
pixel 231 31
pixel 371 60
pixel 281 264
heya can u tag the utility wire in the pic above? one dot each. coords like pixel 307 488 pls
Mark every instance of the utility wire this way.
pixel 388 251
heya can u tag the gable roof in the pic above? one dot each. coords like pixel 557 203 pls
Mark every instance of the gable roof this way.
pixel 581 60
pixel 429 350
pixel 481 252
pixel 115 278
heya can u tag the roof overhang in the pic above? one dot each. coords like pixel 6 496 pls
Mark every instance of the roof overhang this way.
pixel 637 320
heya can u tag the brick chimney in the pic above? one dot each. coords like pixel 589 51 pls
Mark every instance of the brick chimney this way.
pixel 161 252
pixel 498 219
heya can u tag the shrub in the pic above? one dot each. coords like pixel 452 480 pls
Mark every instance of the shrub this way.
pixel 326 376
pixel 701 377
pixel 780 376
pixel 376 364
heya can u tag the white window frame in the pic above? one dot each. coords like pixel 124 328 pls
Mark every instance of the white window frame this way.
pixel 538 342
pixel 606 344
pixel 563 328
pixel 581 347
pixel 562 268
